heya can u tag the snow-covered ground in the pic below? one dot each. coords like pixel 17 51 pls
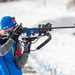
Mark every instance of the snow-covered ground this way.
pixel 58 56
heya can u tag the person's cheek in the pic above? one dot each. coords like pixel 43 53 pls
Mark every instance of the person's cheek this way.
pixel 4 32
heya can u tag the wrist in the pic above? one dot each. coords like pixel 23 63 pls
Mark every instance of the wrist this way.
pixel 26 51
pixel 11 40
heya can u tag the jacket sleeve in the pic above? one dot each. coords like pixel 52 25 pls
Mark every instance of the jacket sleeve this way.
pixel 20 58
pixel 5 48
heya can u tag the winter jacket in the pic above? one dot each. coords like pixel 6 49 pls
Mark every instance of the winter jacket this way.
pixel 11 64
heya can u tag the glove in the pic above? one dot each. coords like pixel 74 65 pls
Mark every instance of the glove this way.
pixel 27 47
pixel 16 33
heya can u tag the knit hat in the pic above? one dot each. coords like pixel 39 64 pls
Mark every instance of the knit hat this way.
pixel 7 22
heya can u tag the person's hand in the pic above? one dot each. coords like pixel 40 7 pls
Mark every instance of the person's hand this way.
pixel 27 47
pixel 16 33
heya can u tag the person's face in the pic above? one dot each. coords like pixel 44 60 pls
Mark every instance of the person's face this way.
pixel 6 31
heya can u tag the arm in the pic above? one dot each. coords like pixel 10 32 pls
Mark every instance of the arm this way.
pixel 20 58
pixel 5 48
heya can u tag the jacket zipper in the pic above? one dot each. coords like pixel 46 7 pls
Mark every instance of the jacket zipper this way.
pixel 6 67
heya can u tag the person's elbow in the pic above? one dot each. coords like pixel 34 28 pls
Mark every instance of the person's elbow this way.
pixel 20 65
pixel 2 54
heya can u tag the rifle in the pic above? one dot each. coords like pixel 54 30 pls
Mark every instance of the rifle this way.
pixel 42 30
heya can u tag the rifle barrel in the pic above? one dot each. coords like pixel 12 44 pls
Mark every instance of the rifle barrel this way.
pixel 63 27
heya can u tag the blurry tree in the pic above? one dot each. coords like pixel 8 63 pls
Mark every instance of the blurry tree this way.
pixel 3 0
pixel 7 0
pixel 71 3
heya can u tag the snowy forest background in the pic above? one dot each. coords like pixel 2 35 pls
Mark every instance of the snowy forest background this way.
pixel 58 56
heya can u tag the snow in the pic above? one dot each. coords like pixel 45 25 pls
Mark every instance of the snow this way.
pixel 57 57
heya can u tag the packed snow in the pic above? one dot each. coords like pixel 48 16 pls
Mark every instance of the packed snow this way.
pixel 56 57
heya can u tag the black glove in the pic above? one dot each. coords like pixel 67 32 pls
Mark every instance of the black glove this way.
pixel 16 33
pixel 27 47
